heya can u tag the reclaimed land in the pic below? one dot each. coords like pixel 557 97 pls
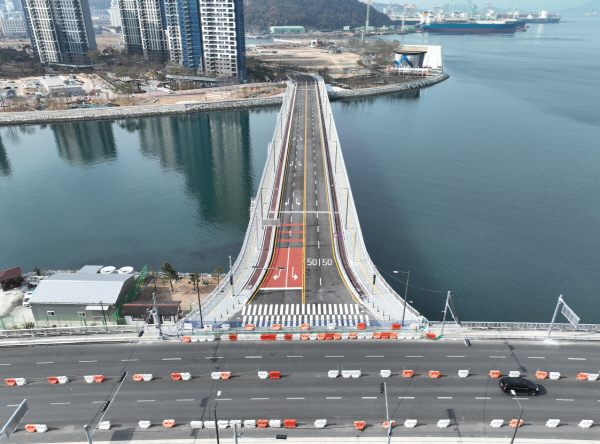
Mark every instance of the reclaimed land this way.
pixel 35 117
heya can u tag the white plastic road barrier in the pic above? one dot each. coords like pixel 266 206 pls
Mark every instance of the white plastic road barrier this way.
pixel 194 338
pixel 223 424
pixel 514 374
pixel 62 379
pixel 331 326
pixel 280 337
pixel 496 423
pixel 463 373
pixel 386 373
pixel 210 338
pixel 356 373
pixel 409 423
pixel 586 423
pixel 225 327
pixel 276 423
pixel 208 328
pixel 237 422
pixel 361 335
pixel 443 423
pixel 345 335
pixel 104 425
pixel 369 335
pixel 347 373
pixel 250 423
pixel 41 428
pixel 224 337
pixel 401 336
pixel 215 375
pixel 296 337
pixel 552 423
pixel 320 423
pixel 202 339
pixel 313 336
pixel 209 425
pixel 21 381
pixel 263 375
pixel 186 376
pixel 89 379
pixel 333 373
pixel 593 377
pixel 554 375
pixel 196 424
pixel 147 377
pixel 146 424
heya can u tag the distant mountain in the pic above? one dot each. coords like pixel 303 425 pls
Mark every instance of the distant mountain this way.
pixel 580 10
pixel 312 14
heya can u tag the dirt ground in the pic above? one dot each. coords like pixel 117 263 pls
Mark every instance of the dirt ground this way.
pixel 183 291
pixel 310 57
pixel 108 40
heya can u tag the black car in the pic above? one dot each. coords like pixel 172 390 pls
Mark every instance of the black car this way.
pixel 520 386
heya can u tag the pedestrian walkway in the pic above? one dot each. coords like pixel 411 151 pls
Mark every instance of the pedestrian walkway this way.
pixel 294 315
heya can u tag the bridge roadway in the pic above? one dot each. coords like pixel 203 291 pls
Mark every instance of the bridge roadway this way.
pixel 304 392
pixel 304 268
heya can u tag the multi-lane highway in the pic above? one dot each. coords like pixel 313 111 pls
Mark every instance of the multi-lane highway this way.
pixel 304 392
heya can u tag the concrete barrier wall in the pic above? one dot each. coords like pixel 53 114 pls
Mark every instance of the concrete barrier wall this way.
pixel 387 89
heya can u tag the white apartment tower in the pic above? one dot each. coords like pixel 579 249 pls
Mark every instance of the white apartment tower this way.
pixel 61 31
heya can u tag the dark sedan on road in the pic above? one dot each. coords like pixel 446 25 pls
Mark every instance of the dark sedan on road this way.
pixel 520 386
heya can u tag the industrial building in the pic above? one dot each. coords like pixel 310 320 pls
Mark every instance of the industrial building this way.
pixel 61 31
pixel 418 59
pixel 287 30
pixel 60 86
pixel 205 35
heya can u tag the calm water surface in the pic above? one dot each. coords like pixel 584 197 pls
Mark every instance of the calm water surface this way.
pixel 486 185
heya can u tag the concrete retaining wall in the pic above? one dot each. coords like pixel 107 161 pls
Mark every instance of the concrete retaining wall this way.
pixel 34 117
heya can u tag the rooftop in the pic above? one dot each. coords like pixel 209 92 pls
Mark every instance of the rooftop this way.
pixel 80 288
pixel 10 273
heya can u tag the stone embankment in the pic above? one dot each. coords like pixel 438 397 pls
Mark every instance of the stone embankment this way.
pixel 125 112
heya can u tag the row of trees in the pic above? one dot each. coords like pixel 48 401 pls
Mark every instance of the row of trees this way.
pixel 171 275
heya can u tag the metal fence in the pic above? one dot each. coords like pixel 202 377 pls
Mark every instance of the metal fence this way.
pixel 76 330
pixel 516 326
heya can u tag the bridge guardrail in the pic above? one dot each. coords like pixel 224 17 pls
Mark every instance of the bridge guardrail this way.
pixel 517 326
pixel 353 238
pixel 263 197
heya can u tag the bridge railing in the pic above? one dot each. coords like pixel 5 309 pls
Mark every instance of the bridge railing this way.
pixel 259 208
pixel 352 234
pixel 515 326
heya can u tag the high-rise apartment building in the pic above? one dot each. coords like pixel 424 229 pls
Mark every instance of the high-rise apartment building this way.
pixel 113 14
pixel 13 24
pixel 206 35
pixel 61 31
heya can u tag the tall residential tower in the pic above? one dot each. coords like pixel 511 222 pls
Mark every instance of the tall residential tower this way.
pixel 205 35
pixel 61 31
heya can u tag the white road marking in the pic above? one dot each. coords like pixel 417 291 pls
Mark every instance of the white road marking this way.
pixel 455 356
pixel 128 360
pixel 214 357
pixel 11 364
pixel 59 403
pixel 171 359
pixel 320 283
pixel 258 399
pixel 415 356
pixel 224 399
pixel 184 400
pixel 13 405
pixel 334 397
pixel 253 357
pixel 406 397
pixel 317 232
pixel 318 244
pixel 88 361
pixel 334 356
pixel 295 356
pixel 578 359
pixel 145 400
pixel 482 397
pixel 97 402
pixel 369 397
pixel 374 356
pixel 536 357
pixel 565 399
pixel 294 398
pixel 444 397
pixel 497 357
pixel 50 362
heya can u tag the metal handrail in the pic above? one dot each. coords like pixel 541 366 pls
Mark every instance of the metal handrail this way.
pixel 517 326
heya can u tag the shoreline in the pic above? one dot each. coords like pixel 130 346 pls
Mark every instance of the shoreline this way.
pixel 117 113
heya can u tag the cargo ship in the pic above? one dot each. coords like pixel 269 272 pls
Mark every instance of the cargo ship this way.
pixel 460 25
pixel 542 17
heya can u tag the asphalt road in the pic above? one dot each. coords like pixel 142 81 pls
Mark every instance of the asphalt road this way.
pixel 304 268
pixel 304 392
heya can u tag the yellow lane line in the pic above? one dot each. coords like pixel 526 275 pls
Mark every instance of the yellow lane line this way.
pixel 328 205
pixel 304 199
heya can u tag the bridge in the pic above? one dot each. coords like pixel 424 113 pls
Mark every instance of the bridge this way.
pixel 303 260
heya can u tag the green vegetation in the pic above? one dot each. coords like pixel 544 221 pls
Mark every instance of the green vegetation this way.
pixel 217 272
pixel 170 274
pixel 313 14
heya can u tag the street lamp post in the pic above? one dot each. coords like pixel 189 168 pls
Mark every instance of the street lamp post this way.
pixel 518 420
pixel 199 304
pixel 383 389
pixel 405 294
pixel 216 420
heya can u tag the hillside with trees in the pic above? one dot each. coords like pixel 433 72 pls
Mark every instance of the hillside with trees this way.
pixel 312 14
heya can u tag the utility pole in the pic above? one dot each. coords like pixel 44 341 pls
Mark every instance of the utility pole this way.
pixel 518 420
pixel 231 278
pixel 157 315
pixel 383 389
pixel 216 420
